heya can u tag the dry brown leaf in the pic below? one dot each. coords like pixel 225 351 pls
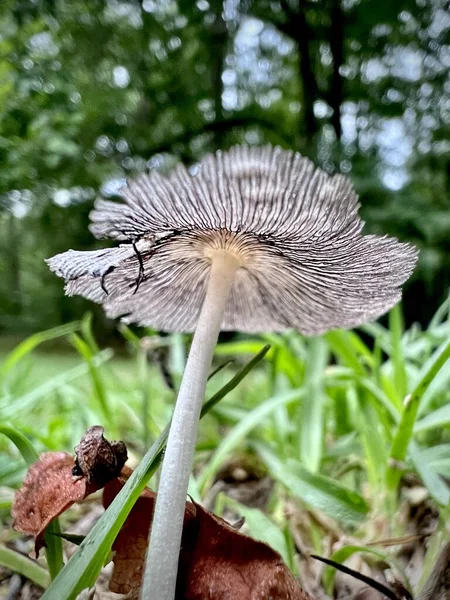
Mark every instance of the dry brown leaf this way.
pixel 48 490
pixel 57 480
pixel 216 561
pixel 130 545
pixel 97 459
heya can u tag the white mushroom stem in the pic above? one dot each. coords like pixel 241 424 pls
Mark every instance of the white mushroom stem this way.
pixel 165 538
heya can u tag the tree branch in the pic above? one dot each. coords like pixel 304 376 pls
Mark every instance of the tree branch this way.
pixel 303 37
pixel 219 39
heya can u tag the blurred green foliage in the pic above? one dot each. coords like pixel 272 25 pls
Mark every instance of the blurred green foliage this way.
pixel 91 92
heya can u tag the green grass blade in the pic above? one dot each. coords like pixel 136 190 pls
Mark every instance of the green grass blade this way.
pixel 235 437
pixel 348 348
pixel 319 492
pixel 396 327
pixel 370 434
pixel 434 483
pixel 239 348
pixel 380 334
pixel 311 426
pixel 437 418
pixel 405 428
pixel 53 550
pixel 234 381
pixel 442 314
pixel 12 406
pixel 438 457
pixel 18 563
pixel 22 443
pixel 88 335
pixel 32 342
pixel 84 566
pixel 72 538
pixel 378 394
pixel 88 353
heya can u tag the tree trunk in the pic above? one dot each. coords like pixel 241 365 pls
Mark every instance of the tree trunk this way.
pixel 336 92
pixel 219 48
pixel 297 27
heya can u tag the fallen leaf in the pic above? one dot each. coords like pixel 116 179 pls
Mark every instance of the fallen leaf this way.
pixel 216 561
pixel 130 545
pixel 48 490
pixel 97 459
pixel 219 562
pixel 58 480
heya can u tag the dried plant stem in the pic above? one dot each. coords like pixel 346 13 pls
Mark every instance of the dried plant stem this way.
pixel 162 557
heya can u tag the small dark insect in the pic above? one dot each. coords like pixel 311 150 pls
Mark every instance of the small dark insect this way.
pixel 97 459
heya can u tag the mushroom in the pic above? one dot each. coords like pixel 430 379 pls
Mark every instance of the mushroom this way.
pixel 253 239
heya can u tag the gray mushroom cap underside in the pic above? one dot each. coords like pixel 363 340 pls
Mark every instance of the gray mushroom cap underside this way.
pixel 305 263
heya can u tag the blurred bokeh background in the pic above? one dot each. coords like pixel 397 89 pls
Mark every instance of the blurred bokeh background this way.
pixel 93 91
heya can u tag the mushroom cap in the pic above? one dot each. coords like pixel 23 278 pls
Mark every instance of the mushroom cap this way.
pixel 304 263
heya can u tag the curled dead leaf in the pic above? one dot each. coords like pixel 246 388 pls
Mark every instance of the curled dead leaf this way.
pixel 57 480
pixel 48 490
pixel 216 561
pixel 97 459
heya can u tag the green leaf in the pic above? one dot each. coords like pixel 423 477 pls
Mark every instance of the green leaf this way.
pixel 438 457
pixel 442 314
pixel 89 354
pixel 396 327
pixel 319 492
pixel 434 483
pixel 338 501
pixel 405 428
pixel 32 342
pixel 311 426
pixel 86 330
pixel 22 443
pixel 372 440
pixel 71 537
pixel 437 418
pixel 348 349
pixel 235 437
pixel 236 380
pixel 239 348
pixel 12 406
pixel 18 563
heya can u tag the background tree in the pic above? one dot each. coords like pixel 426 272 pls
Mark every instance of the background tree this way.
pixel 91 92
